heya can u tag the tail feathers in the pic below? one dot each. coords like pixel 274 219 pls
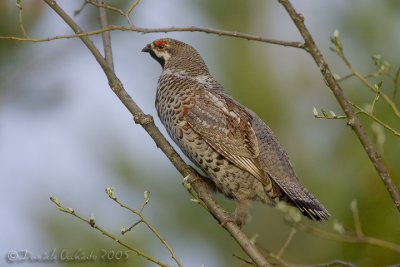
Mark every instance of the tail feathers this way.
pixel 308 205
pixel 312 209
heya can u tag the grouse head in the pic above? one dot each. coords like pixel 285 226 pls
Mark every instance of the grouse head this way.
pixel 173 53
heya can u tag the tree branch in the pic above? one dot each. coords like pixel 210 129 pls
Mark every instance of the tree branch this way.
pixel 348 237
pixel 111 195
pixel 338 49
pixel 328 264
pixel 106 36
pixel 94 225
pixel 109 59
pixel 219 32
pixel 20 20
pixel 352 119
pixel 147 123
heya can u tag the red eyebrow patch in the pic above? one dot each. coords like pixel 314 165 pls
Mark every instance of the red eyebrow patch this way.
pixel 159 43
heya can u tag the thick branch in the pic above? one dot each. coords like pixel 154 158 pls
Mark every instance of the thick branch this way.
pixel 147 123
pixel 353 121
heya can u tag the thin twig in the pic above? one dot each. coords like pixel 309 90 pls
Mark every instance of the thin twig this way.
pixel 21 24
pixel 80 9
pixel 195 198
pixel 125 230
pixel 272 258
pixel 327 115
pixel 353 121
pixel 93 224
pixel 396 84
pixel 102 4
pixel 369 75
pixel 340 52
pixel 374 101
pixel 111 8
pixel 106 37
pixel 132 7
pixel 328 264
pixel 146 198
pixel 244 260
pixel 287 242
pixel 112 196
pixel 360 110
pixel 373 89
pixel 347 237
pixel 147 123
pixel 356 218
pixel 240 35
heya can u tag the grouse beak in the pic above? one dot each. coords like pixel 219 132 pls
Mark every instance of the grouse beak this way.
pixel 147 48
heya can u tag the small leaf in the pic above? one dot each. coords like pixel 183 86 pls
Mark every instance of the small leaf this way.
pixel 379 133
pixel 186 178
pixel 315 112
pixel 92 221
pixel 292 213
pixel 378 85
pixel 353 204
pixel 110 192
pixel 336 33
pixel 254 238
pixel 386 66
pixel 282 206
pixel 368 108
pixel 377 59
pixel 186 183
pixel 336 76
pixel 146 195
pixel 336 41
pixel 338 227
pixel 55 200
pixel 326 115
pixel 295 214
pixel 195 200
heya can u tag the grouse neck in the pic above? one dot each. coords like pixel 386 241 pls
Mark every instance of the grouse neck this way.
pixel 194 66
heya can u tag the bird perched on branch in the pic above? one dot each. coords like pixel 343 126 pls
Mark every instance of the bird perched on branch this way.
pixel 227 141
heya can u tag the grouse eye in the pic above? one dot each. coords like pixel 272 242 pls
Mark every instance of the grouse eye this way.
pixel 160 44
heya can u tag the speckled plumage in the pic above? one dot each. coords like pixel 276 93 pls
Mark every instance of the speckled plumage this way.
pixel 226 140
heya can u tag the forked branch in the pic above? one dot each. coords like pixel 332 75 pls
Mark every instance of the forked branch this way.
pixel 352 119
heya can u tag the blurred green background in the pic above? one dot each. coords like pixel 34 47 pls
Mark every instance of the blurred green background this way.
pixel 63 132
